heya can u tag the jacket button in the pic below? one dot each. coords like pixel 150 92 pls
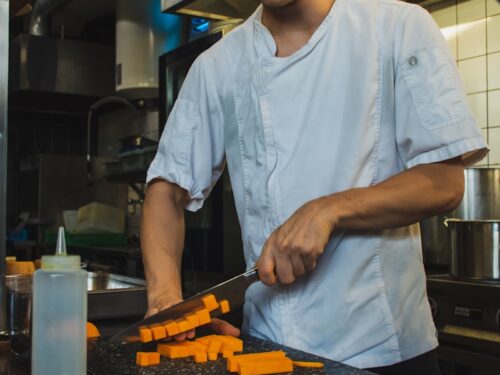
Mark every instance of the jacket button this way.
pixel 412 61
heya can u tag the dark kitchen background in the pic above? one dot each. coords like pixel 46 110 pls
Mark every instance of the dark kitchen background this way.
pixel 90 86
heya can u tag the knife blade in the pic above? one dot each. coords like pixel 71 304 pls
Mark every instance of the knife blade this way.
pixel 232 290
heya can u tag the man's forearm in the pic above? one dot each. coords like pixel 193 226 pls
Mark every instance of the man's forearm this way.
pixel 295 246
pixel 162 239
pixel 406 198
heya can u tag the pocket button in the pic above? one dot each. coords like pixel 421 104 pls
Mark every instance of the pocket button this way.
pixel 412 61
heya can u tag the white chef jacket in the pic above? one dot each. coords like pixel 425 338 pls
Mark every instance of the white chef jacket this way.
pixel 374 92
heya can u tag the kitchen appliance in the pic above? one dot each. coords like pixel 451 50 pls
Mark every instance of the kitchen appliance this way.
pixel 475 251
pixel 143 33
pixel 481 202
pixel 232 290
pixel 467 318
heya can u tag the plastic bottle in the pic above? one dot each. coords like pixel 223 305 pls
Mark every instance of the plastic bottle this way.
pixel 59 344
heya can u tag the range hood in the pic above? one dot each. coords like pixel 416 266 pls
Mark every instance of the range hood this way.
pixel 226 9
pixel 48 74
pixel 213 9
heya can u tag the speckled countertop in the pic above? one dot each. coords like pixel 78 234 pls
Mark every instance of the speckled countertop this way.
pixel 110 359
pixel 105 358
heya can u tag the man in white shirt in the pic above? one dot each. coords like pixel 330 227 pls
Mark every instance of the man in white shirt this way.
pixel 342 125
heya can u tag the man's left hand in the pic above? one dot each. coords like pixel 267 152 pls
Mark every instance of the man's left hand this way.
pixel 294 247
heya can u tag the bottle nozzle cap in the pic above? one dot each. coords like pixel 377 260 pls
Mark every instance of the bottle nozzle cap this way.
pixel 61 261
pixel 61 242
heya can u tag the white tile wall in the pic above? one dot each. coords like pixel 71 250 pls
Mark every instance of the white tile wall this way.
pixel 494 137
pixel 494 108
pixel 494 71
pixel 484 162
pixel 492 7
pixel 478 106
pixel 472 39
pixel 493 27
pixel 473 73
pixel 471 10
pixel 445 15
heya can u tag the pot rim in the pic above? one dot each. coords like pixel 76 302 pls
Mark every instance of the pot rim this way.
pixel 478 221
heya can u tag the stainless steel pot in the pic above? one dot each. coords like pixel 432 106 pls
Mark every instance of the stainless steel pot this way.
pixel 482 195
pixel 481 202
pixel 475 249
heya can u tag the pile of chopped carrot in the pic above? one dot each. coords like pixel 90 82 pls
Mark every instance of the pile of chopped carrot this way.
pixel 208 348
pixel 190 321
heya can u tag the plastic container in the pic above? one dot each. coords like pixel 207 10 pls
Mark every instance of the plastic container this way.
pixel 100 218
pixel 59 315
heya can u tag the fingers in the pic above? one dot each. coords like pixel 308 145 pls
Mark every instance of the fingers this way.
pixel 298 266
pixel 224 328
pixel 285 259
pixel 266 265
pixel 284 270
pixel 151 312
pixel 185 335
pixel 309 262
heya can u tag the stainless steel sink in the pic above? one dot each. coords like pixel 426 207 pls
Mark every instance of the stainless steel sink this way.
pixel 113 296
pixel 108 281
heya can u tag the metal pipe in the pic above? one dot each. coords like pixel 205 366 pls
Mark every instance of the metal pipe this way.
pixel 4 76
pixel 40 16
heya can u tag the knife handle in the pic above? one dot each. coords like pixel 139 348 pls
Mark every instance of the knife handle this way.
pixel 252 275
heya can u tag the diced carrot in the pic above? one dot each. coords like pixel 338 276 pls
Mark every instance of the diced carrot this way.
pixel 192 347
pixel 193 319
pixel 206 339
pixel 308 364
pixel 158 332
pixel 154 358
pixel 172 350
pixel 183 325
pixel 172 328
pixel 212 356
pixel 266 367
pixel 224 306
pixel 233 363
pixel 203 316
pixel 231 343
pixel 210 302
pixel 200 357
pixel 145 335
pixel 214 346
pixel 142 359
pixel 227 354
pixel 92 331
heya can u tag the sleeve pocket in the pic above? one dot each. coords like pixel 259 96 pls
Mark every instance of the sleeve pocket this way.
pixel 435 88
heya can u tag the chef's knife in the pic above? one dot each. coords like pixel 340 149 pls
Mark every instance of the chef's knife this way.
pixel 232 290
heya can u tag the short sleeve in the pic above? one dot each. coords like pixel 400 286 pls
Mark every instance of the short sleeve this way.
pixel 432 116
pixel 191 149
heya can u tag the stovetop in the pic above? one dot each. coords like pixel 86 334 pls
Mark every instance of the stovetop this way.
pixel 466 312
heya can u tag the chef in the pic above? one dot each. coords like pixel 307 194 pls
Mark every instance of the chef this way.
pixel 342 124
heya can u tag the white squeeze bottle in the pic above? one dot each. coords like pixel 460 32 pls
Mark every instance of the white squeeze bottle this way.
pixel 59 345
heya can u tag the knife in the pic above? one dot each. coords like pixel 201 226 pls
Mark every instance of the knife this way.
pixel 232 290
